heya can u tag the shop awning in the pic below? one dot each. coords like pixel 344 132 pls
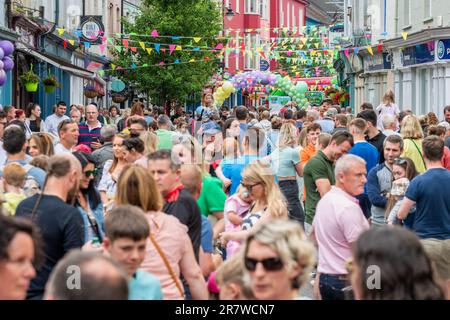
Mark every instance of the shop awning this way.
pixel 57 62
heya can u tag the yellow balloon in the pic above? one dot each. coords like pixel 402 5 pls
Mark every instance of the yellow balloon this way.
pixel 220 91
pixel 227 87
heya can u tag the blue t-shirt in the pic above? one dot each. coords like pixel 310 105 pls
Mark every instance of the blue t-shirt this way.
pixel 369 153
pixel 430 192
pixel 233 169
pixel 207 236
pixel 144 286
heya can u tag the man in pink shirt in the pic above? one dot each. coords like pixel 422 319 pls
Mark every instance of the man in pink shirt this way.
pixel 337 224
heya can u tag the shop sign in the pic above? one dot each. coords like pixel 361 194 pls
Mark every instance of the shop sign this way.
pixel 419 54
pixel 92 29
pixel 443 49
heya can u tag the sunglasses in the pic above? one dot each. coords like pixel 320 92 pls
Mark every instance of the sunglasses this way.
pixel 400 161
pixel 269 264
pixel 88 173
pixel 250 187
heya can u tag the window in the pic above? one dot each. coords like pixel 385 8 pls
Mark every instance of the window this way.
pixel 300 18
pixel 281 14
pixel 238 5
pixel 252 41
pixel 293 16
pixel 264 9
pixel 407 13
pixel 237 51
pixel 288 13
pixel 427 11
pixel 251 6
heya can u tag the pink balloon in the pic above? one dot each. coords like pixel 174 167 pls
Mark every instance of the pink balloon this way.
pixel 8 64
pixel 2 53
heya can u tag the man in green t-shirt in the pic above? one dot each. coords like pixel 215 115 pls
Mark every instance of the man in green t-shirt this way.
pixel 165 136
pixel 319 172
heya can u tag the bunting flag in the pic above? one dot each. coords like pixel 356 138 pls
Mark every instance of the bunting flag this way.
pixel 125 43
pixel 118 48
pixel 369 49
pixel 133 49
pixel 197 40
pixel 219 46
pixel 154 33
pixel 405 35
pixel 72 42
pixel 149 50
pixel 171 48
pixel 133 66
pixel 380 48
pixel 113 66
pixel 179 48
pixel 65 44
pixel 346 52
pixel 87 45
pixel 157 46
pixel 60 31
pixel 142 44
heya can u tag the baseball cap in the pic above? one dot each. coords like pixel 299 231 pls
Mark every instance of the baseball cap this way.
pixel 210 128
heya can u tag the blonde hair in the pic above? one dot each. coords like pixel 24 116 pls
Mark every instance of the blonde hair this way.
pixel 261 173
pixel 389 97
pixel 191 145
pixel 230 144
pixel 14 175
pixel 233 271
pixel 288 135
pixel 411 128
pixel 137 187
pixel 289 241
pixel 150 142
pixel 302 141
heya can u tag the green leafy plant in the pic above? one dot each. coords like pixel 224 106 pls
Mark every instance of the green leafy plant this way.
pixel 29 77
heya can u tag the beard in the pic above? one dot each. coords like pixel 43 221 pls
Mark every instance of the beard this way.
pixel 73 193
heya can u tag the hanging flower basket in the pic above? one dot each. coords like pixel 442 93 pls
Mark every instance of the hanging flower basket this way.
pixel 118 98
pixel 31 86
pixel 30 80
pixel 90 92
pixel 50 84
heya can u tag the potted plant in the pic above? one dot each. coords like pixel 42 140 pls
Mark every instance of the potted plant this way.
pixel 118 98
pixel 30 80
pixel 50 83
pixel 90 92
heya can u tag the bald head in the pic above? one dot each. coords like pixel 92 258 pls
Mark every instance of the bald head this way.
pixel 191 178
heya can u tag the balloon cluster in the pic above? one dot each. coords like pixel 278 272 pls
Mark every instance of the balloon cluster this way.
pixel 251 79
pixel 6 62
pixel 223 92
pixel 296 92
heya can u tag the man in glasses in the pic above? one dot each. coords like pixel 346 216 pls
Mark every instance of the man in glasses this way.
pixel 90 130
pixel 379 180
pixel 55 119
pixel 337 225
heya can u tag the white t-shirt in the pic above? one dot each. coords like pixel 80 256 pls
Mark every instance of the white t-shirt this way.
pixel 59 148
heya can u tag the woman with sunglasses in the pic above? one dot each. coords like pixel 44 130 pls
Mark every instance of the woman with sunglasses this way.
pixel 278 258
pixel 87 199
pixel 403 172
pixel 269 203
pixel 397 256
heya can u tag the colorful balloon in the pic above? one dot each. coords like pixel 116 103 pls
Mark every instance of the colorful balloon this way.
pixel 3 77
pixel 227 87
pixel 8 64
pixel 7 47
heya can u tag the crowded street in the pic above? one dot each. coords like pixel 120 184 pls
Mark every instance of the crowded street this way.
pixel 225 150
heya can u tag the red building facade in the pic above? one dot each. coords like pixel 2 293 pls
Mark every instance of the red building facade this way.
pixel 253 26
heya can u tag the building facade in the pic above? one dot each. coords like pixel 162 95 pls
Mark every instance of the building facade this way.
pixel 410 52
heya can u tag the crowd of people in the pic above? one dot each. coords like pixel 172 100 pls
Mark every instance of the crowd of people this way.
pixel 143 204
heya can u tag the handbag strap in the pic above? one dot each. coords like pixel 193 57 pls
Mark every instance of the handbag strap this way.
pixel 420 152
pixel 166 262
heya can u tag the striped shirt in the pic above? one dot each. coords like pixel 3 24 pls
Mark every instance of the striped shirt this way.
pixel 88 133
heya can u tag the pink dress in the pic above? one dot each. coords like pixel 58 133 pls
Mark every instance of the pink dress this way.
pixel 240 207
pixel 383 110
pixel 171 235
